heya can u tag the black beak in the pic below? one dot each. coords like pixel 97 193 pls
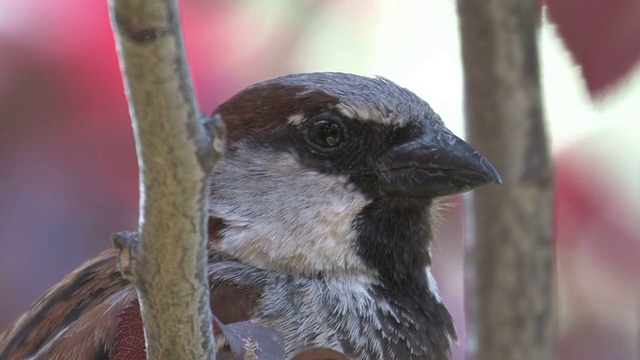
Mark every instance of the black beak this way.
pixel 435 165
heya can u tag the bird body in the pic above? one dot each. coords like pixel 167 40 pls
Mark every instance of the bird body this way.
pixel 319 228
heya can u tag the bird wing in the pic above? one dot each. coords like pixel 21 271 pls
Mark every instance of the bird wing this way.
pixel 94 314
pixel 79 313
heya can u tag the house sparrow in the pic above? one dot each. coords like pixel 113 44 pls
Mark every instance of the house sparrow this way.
pixel 319 228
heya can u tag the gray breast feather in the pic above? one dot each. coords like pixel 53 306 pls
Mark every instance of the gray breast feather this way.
pixel 347 314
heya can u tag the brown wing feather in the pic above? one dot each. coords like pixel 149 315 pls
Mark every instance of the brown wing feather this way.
pixel 79 317
pixel 65 308
pixel 92 335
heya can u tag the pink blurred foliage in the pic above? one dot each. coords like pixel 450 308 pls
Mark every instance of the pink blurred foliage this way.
pixel 590 214
pixel 69 174
pixel 597 240
pixel 602 35
pixel 66 148
pixel 597 248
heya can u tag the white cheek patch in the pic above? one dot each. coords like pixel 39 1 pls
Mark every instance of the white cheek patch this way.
pixel 282 216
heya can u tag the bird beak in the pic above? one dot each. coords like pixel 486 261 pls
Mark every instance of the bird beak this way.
pixel 437 164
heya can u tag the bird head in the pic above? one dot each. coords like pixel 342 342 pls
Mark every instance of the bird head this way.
pixel 332 173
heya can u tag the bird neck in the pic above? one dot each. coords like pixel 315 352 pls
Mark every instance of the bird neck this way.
pixel 339 311
pixel 393 238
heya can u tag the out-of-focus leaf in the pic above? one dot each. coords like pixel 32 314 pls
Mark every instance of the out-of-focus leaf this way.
pixel 602 35
pixel 249 340
pixel 320 354
pixel 246 339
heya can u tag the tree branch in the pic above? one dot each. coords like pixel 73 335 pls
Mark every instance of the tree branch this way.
pixel 509 277
pixel 167 260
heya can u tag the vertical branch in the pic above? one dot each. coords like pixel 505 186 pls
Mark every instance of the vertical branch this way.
pixel 167 260
pixel 509 243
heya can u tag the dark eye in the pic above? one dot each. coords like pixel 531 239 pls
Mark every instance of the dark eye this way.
pixel 326 133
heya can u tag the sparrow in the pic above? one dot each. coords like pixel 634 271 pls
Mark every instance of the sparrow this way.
pixel 320 222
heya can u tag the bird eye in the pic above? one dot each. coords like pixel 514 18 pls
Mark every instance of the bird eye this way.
pixel 326 133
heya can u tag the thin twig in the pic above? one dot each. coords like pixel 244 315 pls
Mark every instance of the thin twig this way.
pixel 509 277
pixel 168 261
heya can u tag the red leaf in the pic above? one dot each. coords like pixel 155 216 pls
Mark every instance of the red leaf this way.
pixel 130 338
pixel 245 337
pixel 602 35
pixel 252 341
pixel 320 354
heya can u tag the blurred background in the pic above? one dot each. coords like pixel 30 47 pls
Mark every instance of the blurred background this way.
pixel 68 172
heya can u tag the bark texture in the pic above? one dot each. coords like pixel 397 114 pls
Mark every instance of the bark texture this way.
pixel 167 259
pixel 509 287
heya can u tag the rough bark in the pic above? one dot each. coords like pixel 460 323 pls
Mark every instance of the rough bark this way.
pixel 509 241
pixel 167 258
